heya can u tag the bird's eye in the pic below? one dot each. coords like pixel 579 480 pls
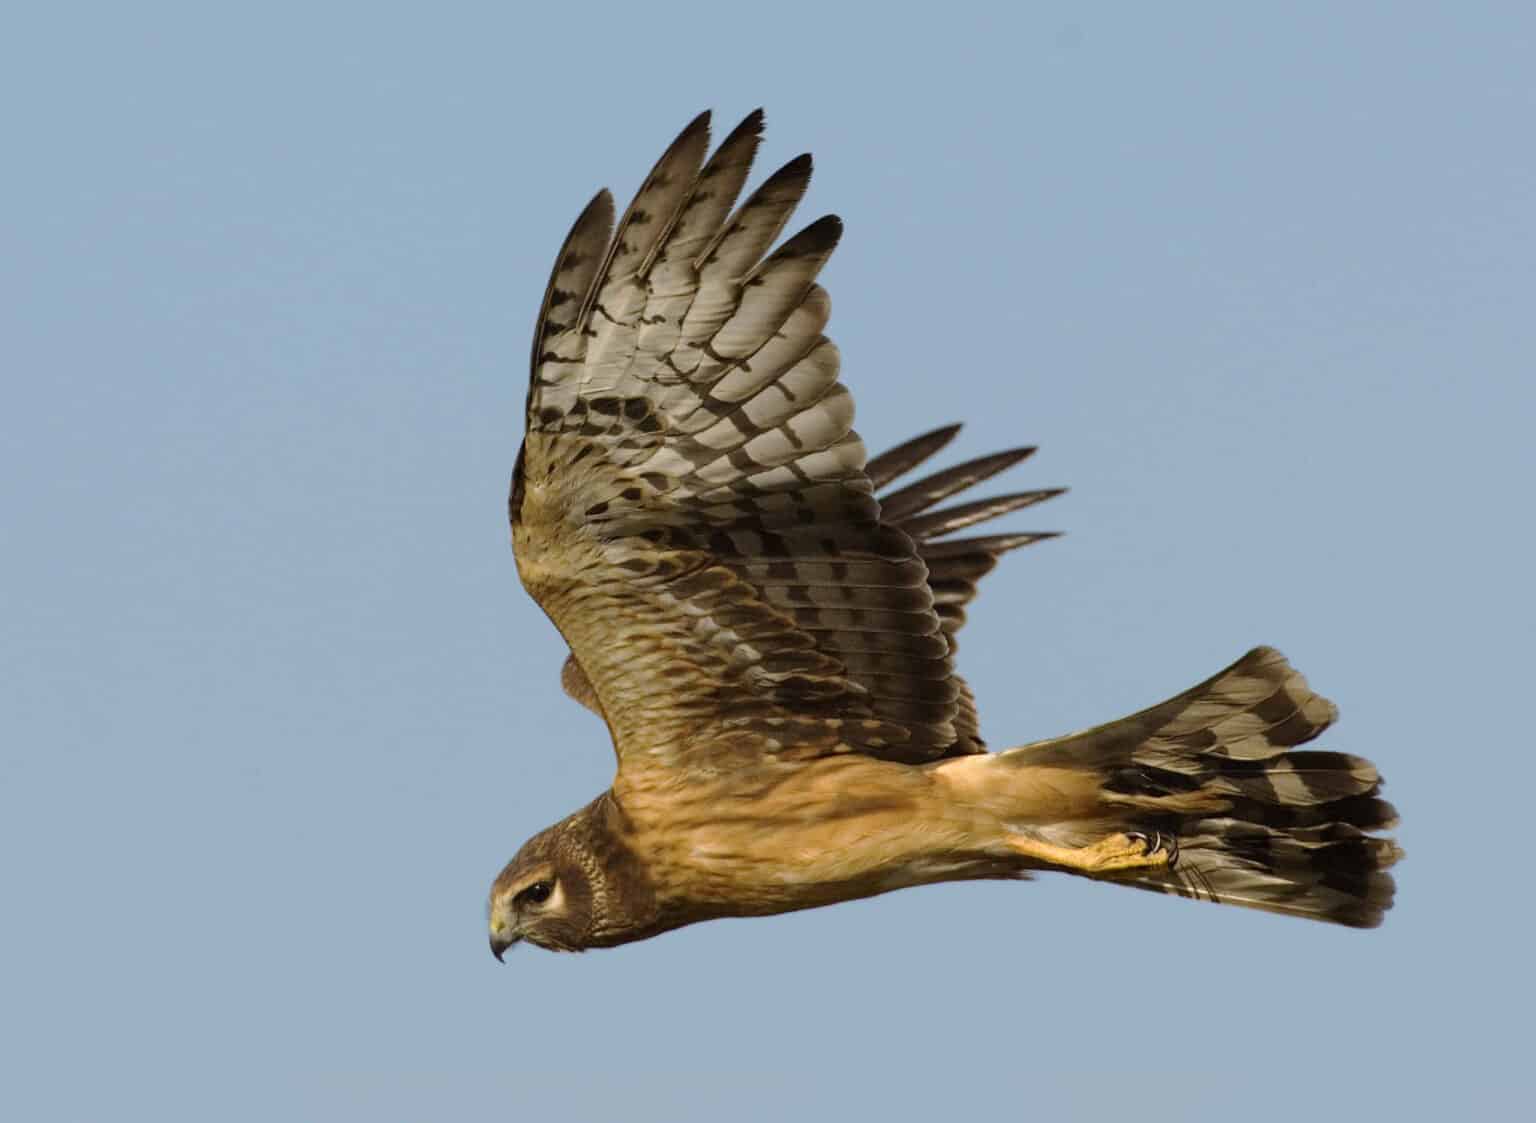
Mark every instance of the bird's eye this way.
pixel 538 892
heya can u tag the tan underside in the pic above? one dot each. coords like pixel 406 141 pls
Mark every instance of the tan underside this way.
pixel 790 836
pixel 1017 798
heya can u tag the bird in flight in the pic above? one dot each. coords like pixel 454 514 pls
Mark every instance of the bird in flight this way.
pixel 765 619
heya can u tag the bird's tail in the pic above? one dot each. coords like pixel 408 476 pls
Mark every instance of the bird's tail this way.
pixel 1257 822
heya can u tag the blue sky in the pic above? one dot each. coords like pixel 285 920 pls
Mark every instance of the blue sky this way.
pixel 275 708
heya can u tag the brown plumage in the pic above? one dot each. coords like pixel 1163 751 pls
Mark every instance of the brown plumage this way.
pixel 771 644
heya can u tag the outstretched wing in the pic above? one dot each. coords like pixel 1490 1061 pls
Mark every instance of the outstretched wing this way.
pixel 955 565
pixel 691 506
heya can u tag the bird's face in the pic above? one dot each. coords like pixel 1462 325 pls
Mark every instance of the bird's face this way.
pixel 543 896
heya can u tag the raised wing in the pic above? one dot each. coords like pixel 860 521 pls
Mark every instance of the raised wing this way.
pixel 691 506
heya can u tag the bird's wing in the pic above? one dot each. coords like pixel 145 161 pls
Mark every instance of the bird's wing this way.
pixel 955 565
pixel 691 506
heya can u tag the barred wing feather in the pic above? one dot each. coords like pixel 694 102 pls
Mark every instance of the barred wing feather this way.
pixel 691 505
pixel 955 565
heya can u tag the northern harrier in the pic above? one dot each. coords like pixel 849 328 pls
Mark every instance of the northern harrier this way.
pixel 771 643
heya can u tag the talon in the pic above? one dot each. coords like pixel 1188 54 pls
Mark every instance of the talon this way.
pixel 1157 842
pixel 1168 844
pixel 1130 850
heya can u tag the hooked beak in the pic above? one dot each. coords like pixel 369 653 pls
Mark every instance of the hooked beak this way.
pixel 499 946
pixel 503 936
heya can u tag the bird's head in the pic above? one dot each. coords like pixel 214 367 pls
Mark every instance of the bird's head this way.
pixel 571 887
pixel 544 895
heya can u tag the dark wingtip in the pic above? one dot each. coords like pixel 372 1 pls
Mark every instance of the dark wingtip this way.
pixel 1003 543
pixel 919 496
pixel 825 231
pixel 896 462
pixel 600 205
pixel 750 126
pixel 800 165
pixel 1011 456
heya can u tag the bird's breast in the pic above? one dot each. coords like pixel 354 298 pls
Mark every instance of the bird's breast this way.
pixel 777 836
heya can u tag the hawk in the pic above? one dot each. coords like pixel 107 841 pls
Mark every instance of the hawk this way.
pixel 768 628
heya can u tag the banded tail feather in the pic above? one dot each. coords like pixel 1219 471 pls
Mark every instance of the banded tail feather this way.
pixel 1254 820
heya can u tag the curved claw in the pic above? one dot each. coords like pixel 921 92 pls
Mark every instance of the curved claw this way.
pixel 1154 842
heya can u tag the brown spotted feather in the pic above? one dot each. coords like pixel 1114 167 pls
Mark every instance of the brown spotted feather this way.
pixel 954 565
pixel 691 497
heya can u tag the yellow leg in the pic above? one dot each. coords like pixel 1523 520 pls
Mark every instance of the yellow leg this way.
pixel 1108 855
